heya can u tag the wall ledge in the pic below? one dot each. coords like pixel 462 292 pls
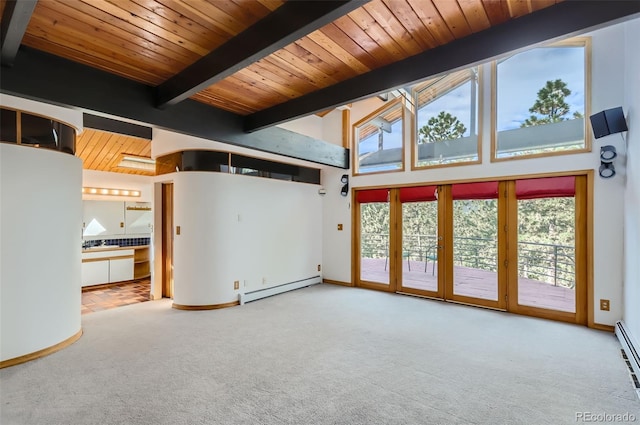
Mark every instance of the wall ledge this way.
pixel 204 307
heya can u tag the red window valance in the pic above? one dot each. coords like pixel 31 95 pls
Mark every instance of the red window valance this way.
pixel 546 187
pixel 418 194
pixel 479 190
pixel 373 195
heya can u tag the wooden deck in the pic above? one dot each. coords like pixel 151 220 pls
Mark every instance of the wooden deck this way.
pixel 472 282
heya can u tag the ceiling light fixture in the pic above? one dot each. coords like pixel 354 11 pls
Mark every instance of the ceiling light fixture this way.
pixel 137 162
pixel 110 192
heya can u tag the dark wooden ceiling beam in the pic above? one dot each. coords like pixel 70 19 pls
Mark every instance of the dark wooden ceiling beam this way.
pixel 288 23
pixel 111 125
pixel 15 19
pixel 566 18
pixel 47 78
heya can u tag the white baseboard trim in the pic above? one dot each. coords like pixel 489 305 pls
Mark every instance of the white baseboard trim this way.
pixel 631 350
pixel 275 290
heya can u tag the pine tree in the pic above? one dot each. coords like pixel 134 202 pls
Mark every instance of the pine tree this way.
pixel 550 106
pixel 444 126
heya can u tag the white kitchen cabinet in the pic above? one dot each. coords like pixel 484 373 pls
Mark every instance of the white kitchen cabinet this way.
pixel 120 269
pixel 138 218
pixel 116 218
pixel 103 218
pixel 104 265
pixel 95 272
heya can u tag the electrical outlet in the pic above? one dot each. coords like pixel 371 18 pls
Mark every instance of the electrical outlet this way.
pixel 264 280
pixel 319 268
pixel 340 226
pixel 236 284
pixel 604 305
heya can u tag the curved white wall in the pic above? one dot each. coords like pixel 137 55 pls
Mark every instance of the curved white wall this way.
pixel 260 232
pixel 40 244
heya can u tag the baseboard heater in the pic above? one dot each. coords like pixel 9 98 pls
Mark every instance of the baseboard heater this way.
pixel 631 350
pixel 275 290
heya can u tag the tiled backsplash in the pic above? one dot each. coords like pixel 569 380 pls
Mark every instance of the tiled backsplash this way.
pixel 117 242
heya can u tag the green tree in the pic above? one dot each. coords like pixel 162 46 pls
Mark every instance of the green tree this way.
pixel 444 126
pixel 550 106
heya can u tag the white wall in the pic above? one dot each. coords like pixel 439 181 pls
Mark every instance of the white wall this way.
pixel 93 178
pixel 631 314
pixel 165 142
pixel 608 91
pixel 261 232
pixel 40 242
pixel 309 126
pixel 336 209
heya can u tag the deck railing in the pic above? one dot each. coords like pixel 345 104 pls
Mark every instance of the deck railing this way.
pixel 550 263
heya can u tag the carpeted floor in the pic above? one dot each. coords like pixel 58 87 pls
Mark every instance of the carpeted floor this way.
pixel 322 355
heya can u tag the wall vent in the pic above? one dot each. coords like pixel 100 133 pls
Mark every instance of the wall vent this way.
pixel 629 354
pixel 275 290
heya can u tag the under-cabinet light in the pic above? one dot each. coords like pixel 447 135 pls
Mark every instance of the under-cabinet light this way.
pixel 110 192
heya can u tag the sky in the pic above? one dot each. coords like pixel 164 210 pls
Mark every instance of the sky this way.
pixel 519 79
pixel 521 76
pixel 456 102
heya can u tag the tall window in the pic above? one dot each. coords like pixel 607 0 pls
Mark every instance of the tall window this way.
pixel 447 119
pixel 379 140
pixel 542 101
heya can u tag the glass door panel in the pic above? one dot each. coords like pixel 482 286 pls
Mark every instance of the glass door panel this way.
pixel 475 243
pixel 420 245
pixel 547 254
pixel 374 242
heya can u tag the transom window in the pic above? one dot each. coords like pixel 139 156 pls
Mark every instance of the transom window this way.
pixel 541 101
pixel 379 140
pixel 447 119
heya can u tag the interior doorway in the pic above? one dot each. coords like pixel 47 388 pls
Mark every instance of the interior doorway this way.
pixel 167 240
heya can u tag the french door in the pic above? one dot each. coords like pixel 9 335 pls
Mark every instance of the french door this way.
pixel 516 245
pixel 374 236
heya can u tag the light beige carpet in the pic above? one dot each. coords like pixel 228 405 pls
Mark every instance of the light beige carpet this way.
pixel 322 355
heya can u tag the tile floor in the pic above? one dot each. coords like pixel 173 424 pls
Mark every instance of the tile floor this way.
pixel 115 296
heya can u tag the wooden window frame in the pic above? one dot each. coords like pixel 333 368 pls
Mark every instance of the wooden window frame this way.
pixel 585 308
pixel 372 115
pixel 480 114
pixel 584 42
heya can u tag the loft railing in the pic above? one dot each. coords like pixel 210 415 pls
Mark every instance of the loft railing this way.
pixel 549 263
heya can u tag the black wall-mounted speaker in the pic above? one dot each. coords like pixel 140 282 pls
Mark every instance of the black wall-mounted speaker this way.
pixel 607 122
pixel 345 188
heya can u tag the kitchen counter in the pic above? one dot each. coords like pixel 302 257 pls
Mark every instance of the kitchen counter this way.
pixel 112 263
pixel 112 248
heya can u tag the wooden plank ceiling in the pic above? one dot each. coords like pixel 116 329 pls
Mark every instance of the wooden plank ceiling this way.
pixel 150 41
pixel 103 151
